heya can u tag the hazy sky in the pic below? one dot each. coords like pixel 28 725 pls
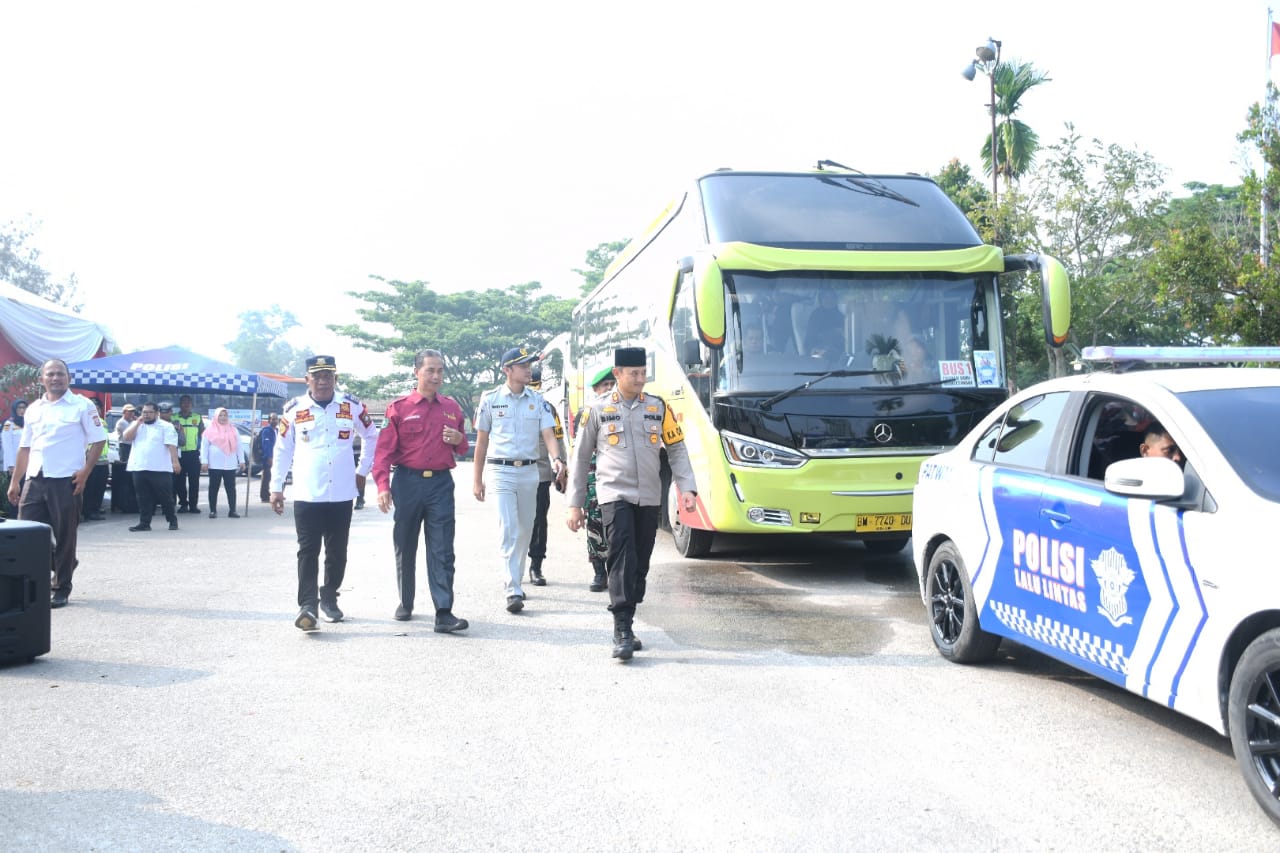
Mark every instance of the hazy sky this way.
pixel 191 161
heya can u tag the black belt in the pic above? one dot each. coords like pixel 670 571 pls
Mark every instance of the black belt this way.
pixel 514 463
pixel 421 472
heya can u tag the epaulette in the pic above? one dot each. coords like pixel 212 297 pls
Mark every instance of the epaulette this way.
pixel 351 398
pixel 292 404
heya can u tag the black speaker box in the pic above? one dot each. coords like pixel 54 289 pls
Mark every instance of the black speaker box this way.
pixel 26 560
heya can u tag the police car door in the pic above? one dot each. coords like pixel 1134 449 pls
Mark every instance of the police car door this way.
pixel 1019 450
pixel 1089 596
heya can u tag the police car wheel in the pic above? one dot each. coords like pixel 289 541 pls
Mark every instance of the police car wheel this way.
pixel 1253 719
pixel 953 618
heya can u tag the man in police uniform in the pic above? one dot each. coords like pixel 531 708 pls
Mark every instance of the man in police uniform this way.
pixel 508 423
pixel 627 431
pixel 317 429
pixel 190 428
pixel 62 438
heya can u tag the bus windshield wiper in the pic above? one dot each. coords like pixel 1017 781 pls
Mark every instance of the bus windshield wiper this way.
pixel 870 186
pixel 818 377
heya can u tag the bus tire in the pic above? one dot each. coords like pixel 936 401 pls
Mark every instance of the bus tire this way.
pixel 690 541
pixel 892 545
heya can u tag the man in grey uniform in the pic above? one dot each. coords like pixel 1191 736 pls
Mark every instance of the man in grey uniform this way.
pixel 627 431
pixel 508 423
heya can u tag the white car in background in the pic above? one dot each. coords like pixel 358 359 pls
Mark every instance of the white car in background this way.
pixel 1048 526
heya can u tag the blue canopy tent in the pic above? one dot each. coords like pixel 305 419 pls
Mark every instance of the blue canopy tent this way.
pixel 176 369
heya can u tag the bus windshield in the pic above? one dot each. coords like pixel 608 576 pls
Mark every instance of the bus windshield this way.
pixel 893 329
pixel 832 211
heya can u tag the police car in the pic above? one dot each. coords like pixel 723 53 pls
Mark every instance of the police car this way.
pixel 1067 523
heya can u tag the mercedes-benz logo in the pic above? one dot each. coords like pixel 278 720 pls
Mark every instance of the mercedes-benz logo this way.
pixel 883 433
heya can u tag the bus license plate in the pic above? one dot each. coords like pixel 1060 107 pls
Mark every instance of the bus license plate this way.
pixel 882 522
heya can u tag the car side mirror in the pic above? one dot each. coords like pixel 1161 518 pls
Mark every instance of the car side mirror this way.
pixel 1153 477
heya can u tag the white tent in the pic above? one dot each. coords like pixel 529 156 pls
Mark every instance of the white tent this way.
pixel 34 330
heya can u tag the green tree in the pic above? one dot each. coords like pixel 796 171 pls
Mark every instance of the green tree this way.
pixel 1016 142
pixel 1212 264
pixel 598 260
pixel 261 344
pixel 971 196
pixel 20 266
pixel 1099 209
pixel 471 329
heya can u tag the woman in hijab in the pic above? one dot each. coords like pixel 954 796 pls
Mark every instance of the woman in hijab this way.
pixel 10 435
pixel 222 457
pixel 12 432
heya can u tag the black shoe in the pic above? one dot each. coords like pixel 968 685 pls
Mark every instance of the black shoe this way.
pixel 624 644
pixel 599 583
pixel 213 514
pixel 404 614
pixel 635 643
pixel 59 600
pixel 94 516
pixel 447 623
pixel 306 621
pixel 139 527
pixel 535 576
pixel 173 525
pixel 515 603
pixel 181 508
pixel 195 510
pixel 331 611
pixel 233 514
pixel 359 503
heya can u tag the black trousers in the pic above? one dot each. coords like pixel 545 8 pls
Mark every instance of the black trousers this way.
pixel 187 483
pixel 264 487
pixel 630 531
pixel 123 496
pixel 424 505
pixel 227 480
pixel 154 487
pixel 538 541
pixel 95 488
pixel 50 500
pixel 318 523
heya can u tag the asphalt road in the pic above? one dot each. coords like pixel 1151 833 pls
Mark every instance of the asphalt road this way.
pixel 788 698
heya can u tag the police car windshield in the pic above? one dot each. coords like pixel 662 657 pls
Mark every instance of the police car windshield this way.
pixel 1238 420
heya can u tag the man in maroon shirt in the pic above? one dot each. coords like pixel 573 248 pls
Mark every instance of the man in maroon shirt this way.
pixel 424 430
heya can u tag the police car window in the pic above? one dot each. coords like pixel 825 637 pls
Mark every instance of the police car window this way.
pixel 1114 428
pixel 1024 436
pixel 1235 419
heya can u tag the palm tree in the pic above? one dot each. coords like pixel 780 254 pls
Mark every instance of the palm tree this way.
pixel 1016 143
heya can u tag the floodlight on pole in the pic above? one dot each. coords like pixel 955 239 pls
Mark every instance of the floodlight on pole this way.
pixel 988 59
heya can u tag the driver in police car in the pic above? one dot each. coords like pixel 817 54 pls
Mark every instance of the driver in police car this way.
pixel 1157 442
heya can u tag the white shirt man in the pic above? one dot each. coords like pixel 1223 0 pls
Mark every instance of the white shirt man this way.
pixel 61 440
pixel 152 464
pixel 315 440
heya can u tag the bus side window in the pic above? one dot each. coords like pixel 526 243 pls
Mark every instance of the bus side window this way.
pixel 694 360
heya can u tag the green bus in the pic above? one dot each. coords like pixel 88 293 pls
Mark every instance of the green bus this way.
pixel 818 334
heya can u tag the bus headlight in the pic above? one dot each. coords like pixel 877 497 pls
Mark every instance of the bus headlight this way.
pixel 759 454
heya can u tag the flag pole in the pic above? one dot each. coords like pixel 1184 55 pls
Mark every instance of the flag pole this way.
pixel 1264 250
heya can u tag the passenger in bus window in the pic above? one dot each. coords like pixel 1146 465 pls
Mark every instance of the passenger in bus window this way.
pixel 824 333
pixel 917 365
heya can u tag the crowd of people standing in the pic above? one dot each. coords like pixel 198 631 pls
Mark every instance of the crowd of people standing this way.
pixel 55 451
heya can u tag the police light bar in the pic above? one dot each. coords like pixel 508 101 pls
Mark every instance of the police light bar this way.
pixel 1182 355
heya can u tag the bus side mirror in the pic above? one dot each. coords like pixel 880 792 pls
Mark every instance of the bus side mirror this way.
pixel 1055 293
pixel 708 299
